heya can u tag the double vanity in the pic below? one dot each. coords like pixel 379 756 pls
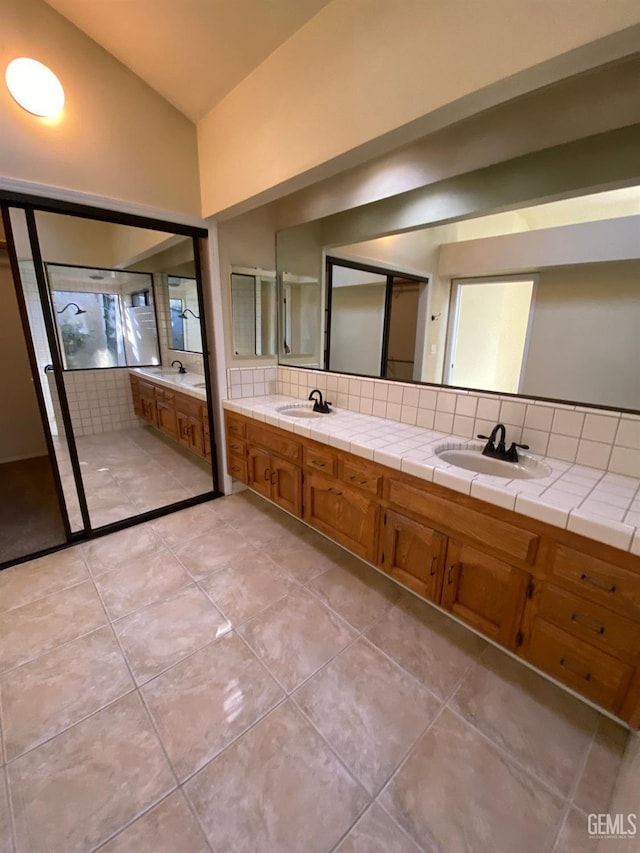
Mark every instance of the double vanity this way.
pixel 175 403
pixel 566 603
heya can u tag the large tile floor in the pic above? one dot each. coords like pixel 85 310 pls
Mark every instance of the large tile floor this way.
pixel 225 679
pixel 129 472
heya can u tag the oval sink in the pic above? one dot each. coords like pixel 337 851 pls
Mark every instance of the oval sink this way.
pixel 298 412
pixel 473 460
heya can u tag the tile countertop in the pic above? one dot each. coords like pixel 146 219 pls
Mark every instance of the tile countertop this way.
pixel 186 383
pixel 588 501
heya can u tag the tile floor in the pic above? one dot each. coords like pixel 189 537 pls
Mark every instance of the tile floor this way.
pixel 128 472
pixel 225 679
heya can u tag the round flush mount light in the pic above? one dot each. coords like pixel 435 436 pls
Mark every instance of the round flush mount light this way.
pixel 35 87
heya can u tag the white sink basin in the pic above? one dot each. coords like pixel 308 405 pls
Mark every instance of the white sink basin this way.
pixel 473 460
pixel 299 412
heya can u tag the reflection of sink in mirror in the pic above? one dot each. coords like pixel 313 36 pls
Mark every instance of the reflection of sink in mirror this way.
pixel 473 460
pixel 299 412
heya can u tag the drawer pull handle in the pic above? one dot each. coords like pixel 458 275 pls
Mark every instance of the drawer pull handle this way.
pixel 434 565
pixel 588 623
pixel 334 491
pixel 576 669
pixel 271 478
pixel 267 474
pixel 357 480
pixel 451 571
pixel 317 463
pixel 597 583
pixel 235 468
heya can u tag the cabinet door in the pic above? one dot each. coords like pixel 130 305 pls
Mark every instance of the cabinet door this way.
pixel 196 436
pixel 485 592
pixel 148 409
pixel 347 515
pixel 167 420
pixel 259 471
pixel 286 485
pixel 182 424
pixel 413 554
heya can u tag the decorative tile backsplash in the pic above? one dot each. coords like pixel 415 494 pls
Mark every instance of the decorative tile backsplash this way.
pixel 597 438
pixel 251 382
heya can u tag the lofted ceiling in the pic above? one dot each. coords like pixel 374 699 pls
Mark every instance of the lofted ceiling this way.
pixel 192 52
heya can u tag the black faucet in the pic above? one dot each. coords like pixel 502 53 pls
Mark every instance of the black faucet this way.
pixel 501 452
pixel 319 404
pixel 182 368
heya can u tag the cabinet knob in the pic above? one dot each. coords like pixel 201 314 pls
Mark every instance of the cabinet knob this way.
pixel 598 583
pixel 334 491
pixel 576 669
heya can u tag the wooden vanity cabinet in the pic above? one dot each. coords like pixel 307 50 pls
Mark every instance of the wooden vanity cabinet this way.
pixel 346 514
pixel 567 604
pixel 413 554
pixel 179 416
pixel 485 592
pixel 270 474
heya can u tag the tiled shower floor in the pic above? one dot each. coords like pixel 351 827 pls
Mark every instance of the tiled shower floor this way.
pixel 131 471
pixel 225 679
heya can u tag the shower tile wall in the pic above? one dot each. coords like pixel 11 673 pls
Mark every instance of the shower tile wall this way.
pixel 99 400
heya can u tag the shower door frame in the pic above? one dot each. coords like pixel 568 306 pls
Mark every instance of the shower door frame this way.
pixel 32 205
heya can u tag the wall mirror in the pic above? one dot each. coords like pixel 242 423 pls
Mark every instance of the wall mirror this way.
pixel 541 301
pixel 253 311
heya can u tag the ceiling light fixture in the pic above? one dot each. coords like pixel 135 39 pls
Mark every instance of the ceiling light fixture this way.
pixel 35 87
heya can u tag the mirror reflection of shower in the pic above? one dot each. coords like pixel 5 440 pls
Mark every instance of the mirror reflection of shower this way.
pixel 184 330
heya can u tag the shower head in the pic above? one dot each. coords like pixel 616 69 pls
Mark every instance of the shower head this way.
pixel 79 310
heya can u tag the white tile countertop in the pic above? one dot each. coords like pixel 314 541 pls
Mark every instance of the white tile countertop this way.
pixel 186 383
pixel 589 501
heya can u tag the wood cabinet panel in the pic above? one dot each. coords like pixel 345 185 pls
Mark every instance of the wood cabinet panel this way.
pixel 360 474
pixel 413 554
pixel 590 622
pixel 344 514
pixel 496 535
pixel 238 469
pixel 235 426
pixel 286 485
pixel 600 677
pixel 259 471
pixel 148 409
pixel 321 459
pixel 167 420
pixel 484 591
pixel 281 444
pixel 603 582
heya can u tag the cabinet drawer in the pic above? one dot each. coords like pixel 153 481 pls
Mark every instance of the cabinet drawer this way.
pixel 596 675
pixel 321 460
pixel 361 475
pixel 494 534
pixel 237 447
pixel 146 387
pixel 238 469
pixel 589 622
pixel 236 427
pixel 280 444
pixel 602 582
pixel 164 395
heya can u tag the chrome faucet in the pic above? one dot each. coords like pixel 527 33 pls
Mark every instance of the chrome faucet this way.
pixel 319 404
pixel 501 452
pixel 182 368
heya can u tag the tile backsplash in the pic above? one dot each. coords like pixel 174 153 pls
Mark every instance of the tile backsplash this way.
pixel 598 438
pixel 251 382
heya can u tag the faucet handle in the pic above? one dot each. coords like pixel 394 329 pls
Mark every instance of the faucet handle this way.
pixel 512 452
pixel 486 437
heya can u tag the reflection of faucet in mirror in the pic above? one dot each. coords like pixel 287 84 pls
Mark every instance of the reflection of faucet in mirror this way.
pixel 182 368
pixel 189 311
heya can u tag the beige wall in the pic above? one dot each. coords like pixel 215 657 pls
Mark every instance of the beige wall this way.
pixel 21 431
pixel 584 342
pixel 116 137
pixel 448 61
pixel 357 319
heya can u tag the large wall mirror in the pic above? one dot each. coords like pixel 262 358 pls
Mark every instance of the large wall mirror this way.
pixel 541 301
